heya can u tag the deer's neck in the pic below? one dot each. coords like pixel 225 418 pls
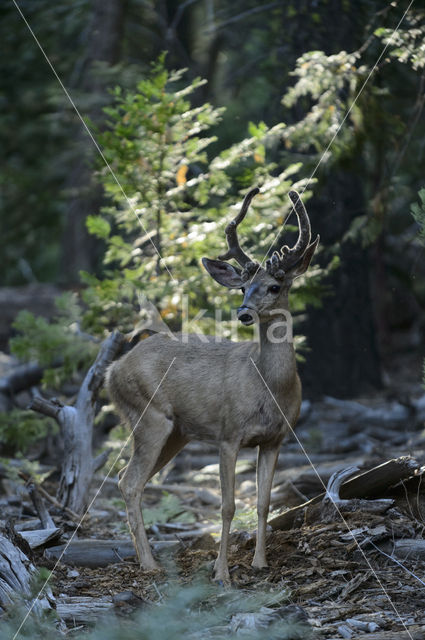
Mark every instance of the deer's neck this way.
pixel 276 356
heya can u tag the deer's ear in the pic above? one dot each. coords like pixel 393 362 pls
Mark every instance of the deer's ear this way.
pixel 301 267
pixel 223 273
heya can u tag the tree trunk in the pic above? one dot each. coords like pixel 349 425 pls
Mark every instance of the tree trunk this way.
pixel 344 358
pixel 104 41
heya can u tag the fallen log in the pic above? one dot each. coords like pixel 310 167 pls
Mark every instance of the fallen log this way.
pixel 92 553
pixel 99 553
pixel 370 483
pixel 392 635
pixel 205 495
pixel 333 505
pixel 411 549
pixel 83 609
pixel 22 377
pixel 40 537
pixel 376 481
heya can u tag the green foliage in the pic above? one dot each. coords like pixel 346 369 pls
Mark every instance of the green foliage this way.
pixel 406 44
pixel 178 202
pixel 58 345
pixel 21 465
pixel 330 83
pixel 169 509
pixel 196 611
pixel 356 118
pixel 20 429
pixel 418 212
pixel 245 519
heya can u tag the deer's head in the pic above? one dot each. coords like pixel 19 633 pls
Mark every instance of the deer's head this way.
pixel 265 289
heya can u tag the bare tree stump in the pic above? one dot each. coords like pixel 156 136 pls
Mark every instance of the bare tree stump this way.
pixel 15 578
pixel 76 423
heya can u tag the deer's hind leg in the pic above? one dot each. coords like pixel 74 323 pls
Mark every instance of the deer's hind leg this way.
pixel 228 456
pixel 174 444
pixel 149 440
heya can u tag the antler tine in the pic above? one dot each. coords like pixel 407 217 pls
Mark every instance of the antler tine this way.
pixel 235 250
pixel 290 256
pixel 281 261
pixel 304 236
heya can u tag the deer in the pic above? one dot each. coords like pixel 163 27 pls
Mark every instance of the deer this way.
pixel 233 394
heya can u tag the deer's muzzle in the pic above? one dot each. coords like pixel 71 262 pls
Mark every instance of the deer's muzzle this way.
pixel 245 315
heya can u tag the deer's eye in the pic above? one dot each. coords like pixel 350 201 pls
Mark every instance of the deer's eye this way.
pixel 274 288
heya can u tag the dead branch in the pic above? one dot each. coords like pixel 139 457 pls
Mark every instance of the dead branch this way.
pixel 101 459
pixel 40 507
pixel 76 423
pixel 376 481
pixel 334 485
pixel 50 408
pixel 333 505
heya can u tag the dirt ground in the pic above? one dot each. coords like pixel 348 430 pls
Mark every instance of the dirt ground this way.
pixel 334 576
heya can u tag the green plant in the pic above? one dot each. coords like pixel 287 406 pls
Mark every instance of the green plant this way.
pixel 59 344
pixel 179 199
pixel 418 212
pixel 20 429
pixel 169 509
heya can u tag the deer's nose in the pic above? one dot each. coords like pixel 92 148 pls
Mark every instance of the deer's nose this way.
pixel 245 315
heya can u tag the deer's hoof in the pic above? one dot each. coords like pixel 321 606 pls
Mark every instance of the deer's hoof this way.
pixel 259 563
pixel 223 583
pixel 221 578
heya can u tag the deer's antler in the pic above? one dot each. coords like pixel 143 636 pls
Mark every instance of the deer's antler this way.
pixel 235 250
pixel 282 261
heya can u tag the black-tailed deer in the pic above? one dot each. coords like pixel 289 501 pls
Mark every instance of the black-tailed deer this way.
pixel 244 394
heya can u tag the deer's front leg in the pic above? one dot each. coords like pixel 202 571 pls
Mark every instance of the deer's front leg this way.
pixel 266 464
pixel 228 455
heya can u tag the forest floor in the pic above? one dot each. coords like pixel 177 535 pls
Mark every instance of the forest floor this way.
pixel 338 576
